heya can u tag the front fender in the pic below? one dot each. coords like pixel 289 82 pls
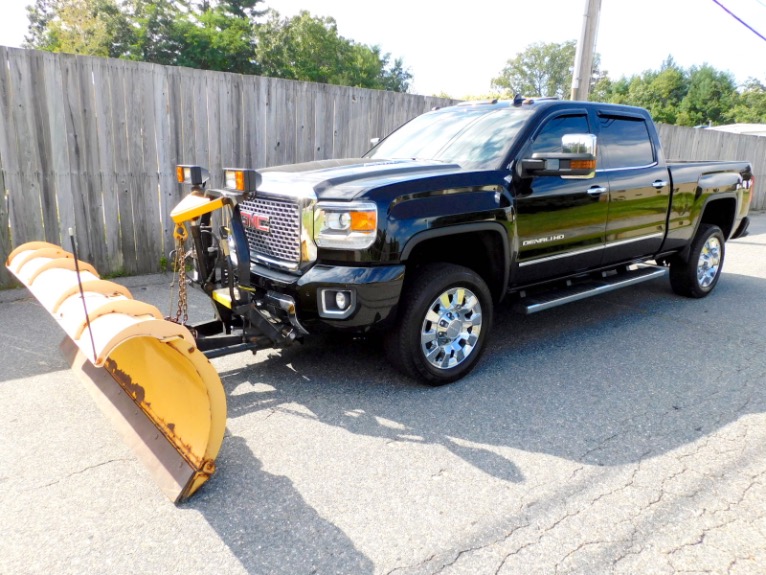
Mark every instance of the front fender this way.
pixel 503 259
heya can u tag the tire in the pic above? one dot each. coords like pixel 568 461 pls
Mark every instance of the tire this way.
pixel 444 320
pixel 697 276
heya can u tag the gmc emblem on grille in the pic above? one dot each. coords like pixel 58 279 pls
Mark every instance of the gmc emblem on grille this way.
pixel 256 221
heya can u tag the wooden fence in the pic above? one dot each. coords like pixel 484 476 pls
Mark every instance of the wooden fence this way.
pixel 698 144
pixel 91 144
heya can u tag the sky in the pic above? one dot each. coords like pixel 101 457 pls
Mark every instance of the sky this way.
pixel 457 47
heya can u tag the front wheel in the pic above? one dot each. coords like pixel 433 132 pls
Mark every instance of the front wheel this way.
pixel 444 320
pixel 697 276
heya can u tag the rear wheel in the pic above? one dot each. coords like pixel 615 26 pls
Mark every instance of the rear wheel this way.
pixel 697 276
pixel 445 317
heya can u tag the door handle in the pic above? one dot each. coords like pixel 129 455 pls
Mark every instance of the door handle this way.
pixel 597 190
pixel 659 184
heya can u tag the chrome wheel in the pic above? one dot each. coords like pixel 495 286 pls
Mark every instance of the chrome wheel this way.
pixel 443 323
pixel 697 275
pixel 709 262
pixel 451 328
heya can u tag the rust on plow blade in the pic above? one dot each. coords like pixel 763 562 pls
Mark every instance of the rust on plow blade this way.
pixel 144 372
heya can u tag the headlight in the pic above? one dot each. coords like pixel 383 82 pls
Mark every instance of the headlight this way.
pixel 345 226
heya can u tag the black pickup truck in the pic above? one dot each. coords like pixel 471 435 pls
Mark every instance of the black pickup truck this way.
pixel 549 201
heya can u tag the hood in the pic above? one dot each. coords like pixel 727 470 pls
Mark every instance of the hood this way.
pixel 348 178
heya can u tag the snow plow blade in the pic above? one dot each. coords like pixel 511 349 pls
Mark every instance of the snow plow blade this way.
pixel 145 372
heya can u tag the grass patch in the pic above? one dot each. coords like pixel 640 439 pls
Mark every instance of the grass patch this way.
pixel 118 273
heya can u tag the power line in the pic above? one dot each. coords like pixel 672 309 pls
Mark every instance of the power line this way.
pixel 741 21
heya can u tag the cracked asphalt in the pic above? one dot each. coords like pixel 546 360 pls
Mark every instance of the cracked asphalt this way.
pixel 621 434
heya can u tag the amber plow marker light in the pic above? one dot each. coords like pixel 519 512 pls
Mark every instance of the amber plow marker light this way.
pixel 241 180
pixel 145 372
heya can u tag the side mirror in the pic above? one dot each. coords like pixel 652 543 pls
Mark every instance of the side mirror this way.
pixel 577 160
pixel 374 141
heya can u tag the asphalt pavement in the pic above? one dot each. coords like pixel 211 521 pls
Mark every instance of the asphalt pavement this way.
pixel 621 434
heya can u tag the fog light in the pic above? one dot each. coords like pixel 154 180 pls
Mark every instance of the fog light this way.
pixel 342 300
pixel 336 304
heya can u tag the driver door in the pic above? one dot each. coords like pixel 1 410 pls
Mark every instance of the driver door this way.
pixel 561 222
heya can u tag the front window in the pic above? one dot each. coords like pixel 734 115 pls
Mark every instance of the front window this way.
pixel 476 138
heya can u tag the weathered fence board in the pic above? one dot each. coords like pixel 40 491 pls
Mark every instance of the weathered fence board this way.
pixel 105 179
pixel 132 204
pixel 90 141
pixel 42 147
pixel 7 171
pixel 323 122
pixel 304 124
pixel 167 150
pixel 249 121
pixel 214 116
pixel 26 203
pixel 147 199
pixel 74 201
pixel 58 158
pixel 5 231
pixel 6 128
pixel 121 162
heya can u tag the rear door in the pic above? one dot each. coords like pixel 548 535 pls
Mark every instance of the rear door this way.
pixel 561 221
pixel 639 187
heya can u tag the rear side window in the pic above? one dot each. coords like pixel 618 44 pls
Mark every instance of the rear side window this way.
pixel 625 141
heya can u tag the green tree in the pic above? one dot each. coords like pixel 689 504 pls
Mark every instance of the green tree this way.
pixel 608 90
pixel 710 98
pixel 208 34
pixel 666 91
pixel 91 27
pixel 219 37
pixel 39 15
pixel 673 95
pixel 659 91
pixel 542 69
pixel 156 37
pixel 751 103
pixel 302 47
pixel 225 35
pixel 309 48
pixel 393 76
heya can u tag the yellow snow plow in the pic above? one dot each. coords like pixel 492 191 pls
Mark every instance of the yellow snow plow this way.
pixel 151 375
pixel 146 372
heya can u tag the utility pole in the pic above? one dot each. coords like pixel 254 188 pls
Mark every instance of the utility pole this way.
pixel 583 67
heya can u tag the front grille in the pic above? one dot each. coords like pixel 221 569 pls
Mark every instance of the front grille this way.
pixel 282 241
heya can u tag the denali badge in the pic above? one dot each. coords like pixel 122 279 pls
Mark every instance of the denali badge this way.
pixel 256 221
pixel 542 240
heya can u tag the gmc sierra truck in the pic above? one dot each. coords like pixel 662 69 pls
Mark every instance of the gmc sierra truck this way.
pixel 545 200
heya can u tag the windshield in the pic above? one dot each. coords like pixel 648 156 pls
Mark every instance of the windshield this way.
pixel 471 137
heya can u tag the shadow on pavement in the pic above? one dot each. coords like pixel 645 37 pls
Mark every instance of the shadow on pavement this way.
pixel 607 381
pixel 280 533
